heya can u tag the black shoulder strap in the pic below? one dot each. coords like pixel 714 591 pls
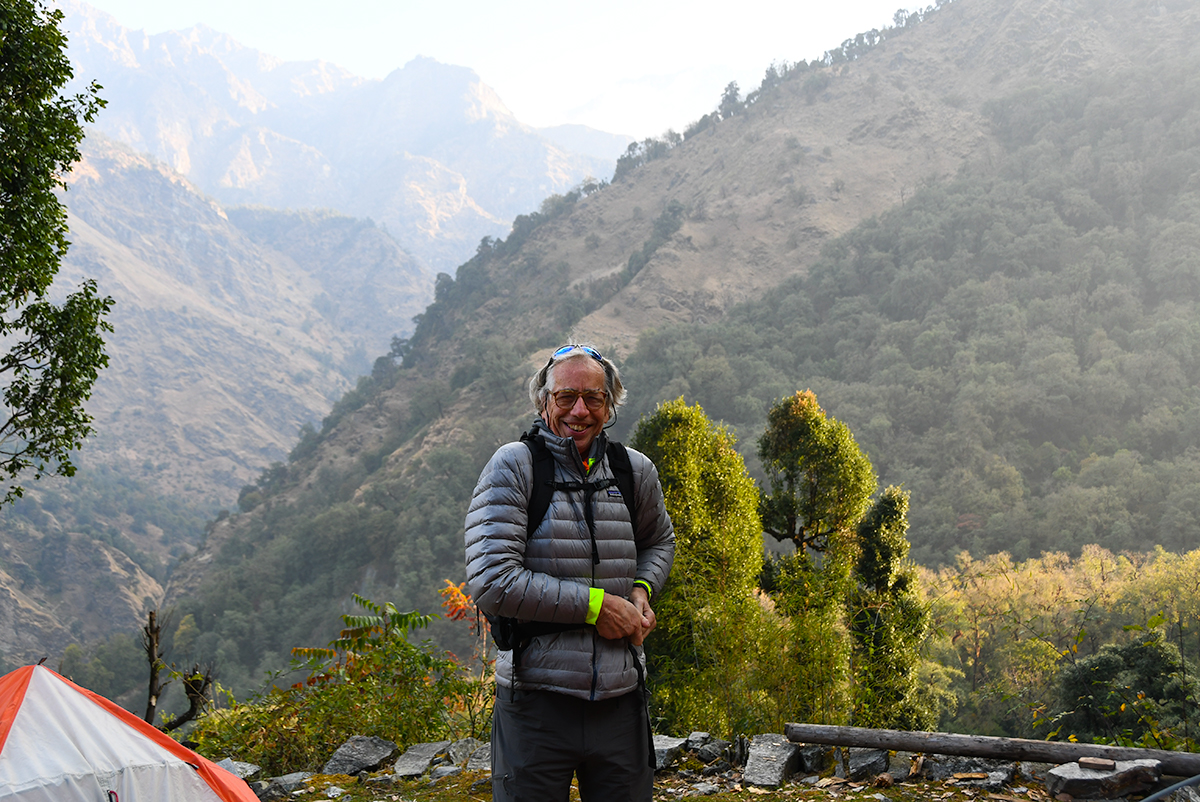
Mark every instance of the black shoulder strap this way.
pixel 543 480
pixel 622 470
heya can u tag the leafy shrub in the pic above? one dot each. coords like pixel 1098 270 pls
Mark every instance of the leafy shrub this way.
pixel 370 681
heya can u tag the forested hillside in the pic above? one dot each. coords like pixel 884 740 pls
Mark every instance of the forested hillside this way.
pixel 1019 346
pixel 969 234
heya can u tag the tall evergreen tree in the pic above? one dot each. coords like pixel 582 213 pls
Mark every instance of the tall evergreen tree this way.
pixel 704 655
pixel 888 621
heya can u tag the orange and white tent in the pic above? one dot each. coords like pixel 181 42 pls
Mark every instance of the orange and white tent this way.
pixel 63 743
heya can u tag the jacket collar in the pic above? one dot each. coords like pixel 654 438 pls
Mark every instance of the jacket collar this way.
pixel 564 450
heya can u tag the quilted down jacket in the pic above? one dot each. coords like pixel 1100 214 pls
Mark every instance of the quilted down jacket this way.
pixel 547 576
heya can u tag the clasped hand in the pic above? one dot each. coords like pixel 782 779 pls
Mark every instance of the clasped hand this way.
pixel 631 619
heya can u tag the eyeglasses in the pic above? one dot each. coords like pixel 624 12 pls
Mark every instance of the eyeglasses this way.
pixel 566 349
pixel 593 399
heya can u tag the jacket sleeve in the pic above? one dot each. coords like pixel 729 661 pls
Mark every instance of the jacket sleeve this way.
pixel 495 548
pixel 654 533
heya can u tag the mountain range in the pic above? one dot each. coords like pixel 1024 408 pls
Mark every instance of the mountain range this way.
pixel 430 152
pixel 266 229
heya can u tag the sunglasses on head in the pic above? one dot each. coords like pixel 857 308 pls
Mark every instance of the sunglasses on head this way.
pixel 566 349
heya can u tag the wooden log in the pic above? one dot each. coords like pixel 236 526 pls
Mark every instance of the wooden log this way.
pixel 1178 764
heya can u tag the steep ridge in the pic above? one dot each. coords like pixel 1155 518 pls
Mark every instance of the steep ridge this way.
pixel 221 351
pixel 233 330
pixel 374 502
pixel 430 151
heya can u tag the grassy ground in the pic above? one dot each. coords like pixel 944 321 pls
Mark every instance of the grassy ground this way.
pixel 473 787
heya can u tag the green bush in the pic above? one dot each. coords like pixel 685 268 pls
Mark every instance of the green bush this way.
pixel 370 681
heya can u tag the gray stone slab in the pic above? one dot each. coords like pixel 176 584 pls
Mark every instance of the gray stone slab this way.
pixel 443 771
pixel 461 751
pixel 480 759
pixel 292 782
pixel 1129 777
pixel 697 740
pixel 417 758
pixel 237 768
pixel 360 753
pixel 943 767
pixel 865 764
pixel 900 765
pixel 667 750
pixel 772 760
pixel 713 751
pixel 815 758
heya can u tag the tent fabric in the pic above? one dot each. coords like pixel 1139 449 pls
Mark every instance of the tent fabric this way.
pixel 60 742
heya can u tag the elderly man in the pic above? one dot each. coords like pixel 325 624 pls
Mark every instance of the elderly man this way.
pixel 565 566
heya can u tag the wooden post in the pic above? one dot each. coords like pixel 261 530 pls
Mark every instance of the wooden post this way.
pixel 1178 764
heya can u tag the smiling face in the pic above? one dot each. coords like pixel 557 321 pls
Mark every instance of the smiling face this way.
pixel 582 374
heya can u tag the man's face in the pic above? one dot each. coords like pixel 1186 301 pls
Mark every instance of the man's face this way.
pixel 579 423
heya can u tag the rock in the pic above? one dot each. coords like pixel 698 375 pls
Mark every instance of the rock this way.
pixel 1034 772
pixel 865 764
pixel 263 790
pixel 697 740
pixel 239 769
pixel 481 784
pixel 360 753
pixel 772 760
pixel 292 782
pixel 900 765
pixel 333 791
pixel 481 759
pixel 1129 777
pixel 741 751
pixel 1184 795
pixel 944 767
pixel 713 750
pixel 443 771
pixel 666 750
pixel 416 759
pixel 706 789
pixel 461 751
pixel 719 767
pixel 815 758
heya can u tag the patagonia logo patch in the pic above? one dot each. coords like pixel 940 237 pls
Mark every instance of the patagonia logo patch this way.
pixel 613 492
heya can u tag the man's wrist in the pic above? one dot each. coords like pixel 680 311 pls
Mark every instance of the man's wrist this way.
pixel 641 583
pixel 595 601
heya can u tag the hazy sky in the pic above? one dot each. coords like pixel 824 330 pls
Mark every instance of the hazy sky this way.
pixel 625 67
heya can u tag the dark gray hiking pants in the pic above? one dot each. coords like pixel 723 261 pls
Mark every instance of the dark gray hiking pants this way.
pixel 540 739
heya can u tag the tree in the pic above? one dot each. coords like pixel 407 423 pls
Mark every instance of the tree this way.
pixel 821 482
pixel 54 351
pixel 1142 693
pixel 705 652
pixel 731 101
pixel 888 621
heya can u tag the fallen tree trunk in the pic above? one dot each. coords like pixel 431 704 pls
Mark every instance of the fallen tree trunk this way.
pixel 1179 764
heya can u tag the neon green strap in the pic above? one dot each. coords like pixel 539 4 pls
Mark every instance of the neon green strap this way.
pixel 646 585
pixel 595 599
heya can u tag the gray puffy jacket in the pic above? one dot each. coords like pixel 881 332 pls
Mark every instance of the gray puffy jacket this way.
pixel 547 576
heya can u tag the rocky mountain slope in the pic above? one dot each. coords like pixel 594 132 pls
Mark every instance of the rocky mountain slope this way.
pixel 726 215
pixel 228 339
pixel 430 152
pixel 232 330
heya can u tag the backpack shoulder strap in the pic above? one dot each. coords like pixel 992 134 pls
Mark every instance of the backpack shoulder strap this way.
pixel 543 480
pixel 622 470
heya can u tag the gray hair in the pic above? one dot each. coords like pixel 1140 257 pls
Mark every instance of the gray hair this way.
pixel 615 390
